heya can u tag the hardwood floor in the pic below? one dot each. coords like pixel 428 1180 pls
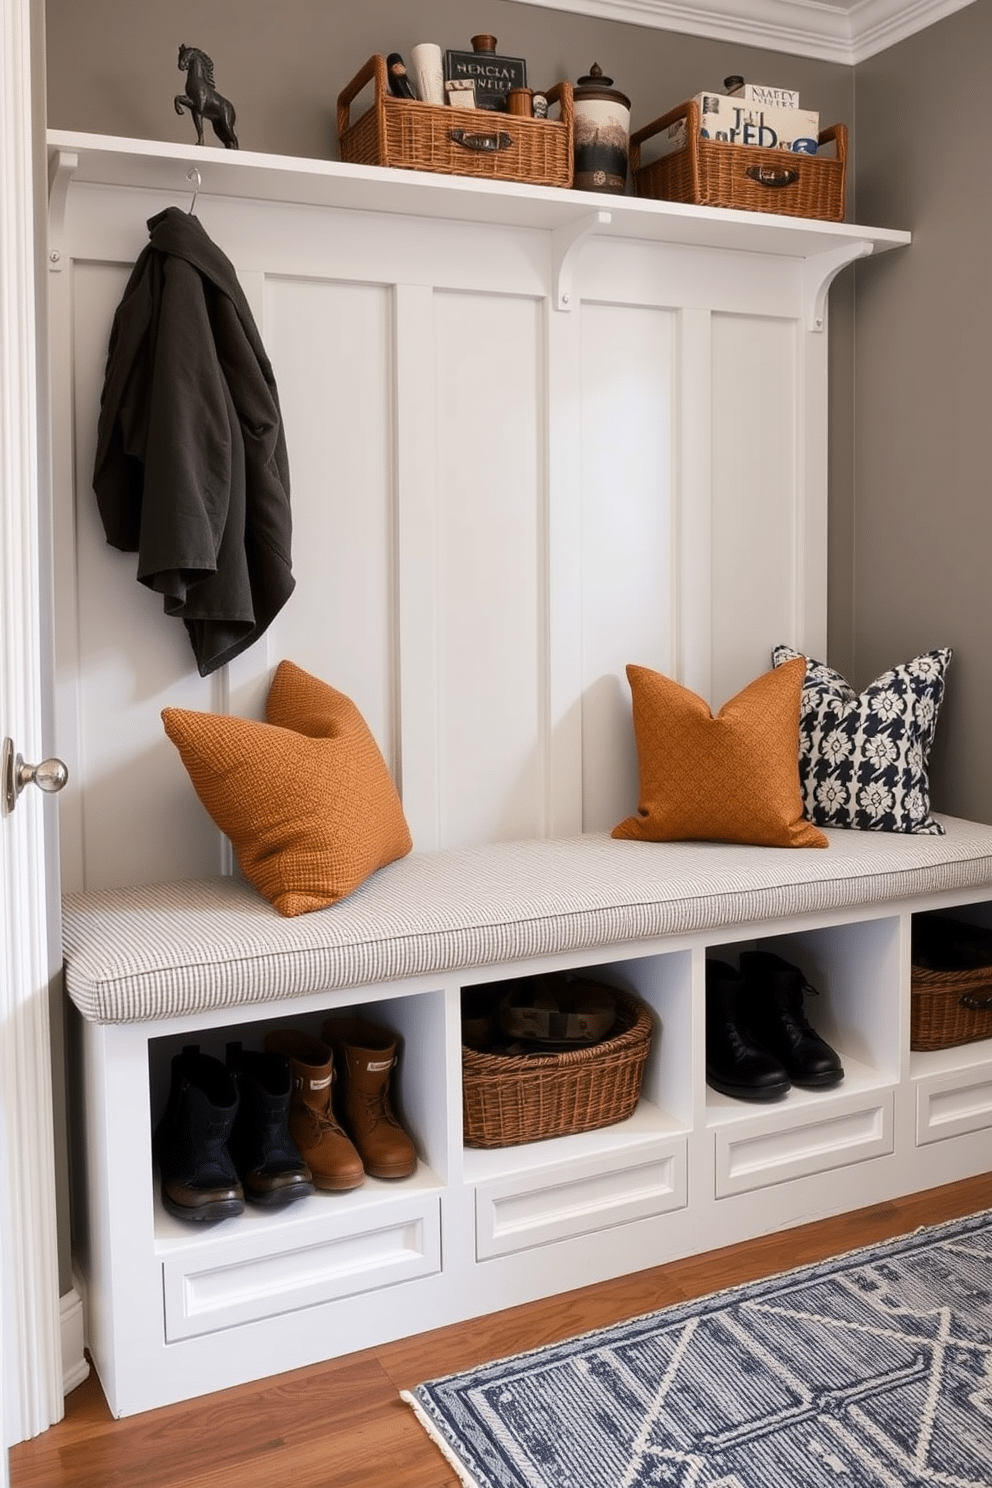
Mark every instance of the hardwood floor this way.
pixel 342 1425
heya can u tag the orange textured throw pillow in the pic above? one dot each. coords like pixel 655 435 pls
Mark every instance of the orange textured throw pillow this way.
pixel 306 797
pixel 732 778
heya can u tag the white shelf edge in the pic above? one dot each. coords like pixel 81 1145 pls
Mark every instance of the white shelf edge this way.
pixel 926 1063
pixel 162 166
pixel 649 1124
pixel 859 1079
pixel 315 1213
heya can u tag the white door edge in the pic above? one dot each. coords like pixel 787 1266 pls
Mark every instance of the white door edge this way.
pixel 31 1396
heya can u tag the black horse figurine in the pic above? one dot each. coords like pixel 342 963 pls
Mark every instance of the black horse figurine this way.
pixel 203 100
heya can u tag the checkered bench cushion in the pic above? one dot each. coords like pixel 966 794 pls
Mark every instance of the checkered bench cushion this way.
pixel 166 950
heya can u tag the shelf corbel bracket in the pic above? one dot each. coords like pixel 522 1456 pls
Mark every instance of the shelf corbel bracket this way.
pixel 61 169
pixel 564 243
pixel 820 271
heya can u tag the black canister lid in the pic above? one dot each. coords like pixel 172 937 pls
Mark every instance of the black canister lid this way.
pixel 596 85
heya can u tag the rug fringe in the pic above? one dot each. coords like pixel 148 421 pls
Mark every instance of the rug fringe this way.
pixel 464 1476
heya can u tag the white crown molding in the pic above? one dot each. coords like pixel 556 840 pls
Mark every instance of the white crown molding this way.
pixel 845 31
pixel 879 24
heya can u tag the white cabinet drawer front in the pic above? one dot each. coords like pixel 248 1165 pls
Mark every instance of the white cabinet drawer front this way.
pixel 535 1208
pixel 256 1277
pixel 953 1103
pixel 798 1143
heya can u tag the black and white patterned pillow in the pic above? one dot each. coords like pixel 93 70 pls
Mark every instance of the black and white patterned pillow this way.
pixel 863 759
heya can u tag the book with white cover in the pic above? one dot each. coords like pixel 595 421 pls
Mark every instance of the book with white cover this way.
pixel 761 93
pixel 722 117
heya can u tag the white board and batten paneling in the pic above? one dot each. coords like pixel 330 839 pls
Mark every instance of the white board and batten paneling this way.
pixel 497 503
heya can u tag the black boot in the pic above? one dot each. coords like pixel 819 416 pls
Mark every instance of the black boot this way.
pixel 734 1064
pixel 267 1159
pixel 775 992
pixel 199 1181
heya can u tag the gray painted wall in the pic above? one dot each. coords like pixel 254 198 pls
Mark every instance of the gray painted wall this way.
pixel 112 63
pixel 921 518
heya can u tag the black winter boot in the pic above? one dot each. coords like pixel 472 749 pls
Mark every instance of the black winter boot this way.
pixel 775 992
pixel 268 1162
pixel 734 1064
pixel 199 1181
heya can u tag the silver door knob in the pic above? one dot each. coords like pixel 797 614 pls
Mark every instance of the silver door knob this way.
pixel 50 775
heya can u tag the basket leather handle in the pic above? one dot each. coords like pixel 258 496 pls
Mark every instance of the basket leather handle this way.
pixel 773 176
pixel 981 1004
pixel 484 144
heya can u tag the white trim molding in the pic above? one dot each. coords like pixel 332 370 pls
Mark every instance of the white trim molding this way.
pixel 879 24
pixel 72 1317
pixel 845 31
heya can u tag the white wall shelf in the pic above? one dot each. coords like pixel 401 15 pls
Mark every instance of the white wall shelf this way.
pixel 163 166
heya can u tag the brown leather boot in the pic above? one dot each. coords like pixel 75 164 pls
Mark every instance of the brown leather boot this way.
pixel 325 1148
pixel 365 1055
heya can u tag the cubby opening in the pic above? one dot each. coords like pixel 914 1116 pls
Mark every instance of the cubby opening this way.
pixel 663 1111
pixel 417 1093
pixel 855 1005
pixel 950 1023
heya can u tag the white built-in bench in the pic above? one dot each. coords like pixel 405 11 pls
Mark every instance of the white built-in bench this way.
pixel 175 1311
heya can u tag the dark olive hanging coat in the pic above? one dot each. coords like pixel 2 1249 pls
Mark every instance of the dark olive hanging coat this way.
pixel 191 469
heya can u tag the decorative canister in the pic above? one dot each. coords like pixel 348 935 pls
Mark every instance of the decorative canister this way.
pixel 602 133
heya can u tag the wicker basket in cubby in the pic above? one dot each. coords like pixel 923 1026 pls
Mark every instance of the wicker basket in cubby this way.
pixel 715 173
pixel 496 146
pixel 951 982
pixel 508 1099
pixel 950 1007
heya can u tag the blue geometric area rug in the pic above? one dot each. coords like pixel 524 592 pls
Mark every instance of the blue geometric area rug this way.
pixel 871 1370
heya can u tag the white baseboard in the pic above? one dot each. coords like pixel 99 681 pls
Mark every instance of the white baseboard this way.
pixel 75 1365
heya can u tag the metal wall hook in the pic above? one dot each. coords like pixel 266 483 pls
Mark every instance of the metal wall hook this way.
pixel 193 175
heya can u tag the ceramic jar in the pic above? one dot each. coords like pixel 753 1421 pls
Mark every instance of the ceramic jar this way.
pixel 602 134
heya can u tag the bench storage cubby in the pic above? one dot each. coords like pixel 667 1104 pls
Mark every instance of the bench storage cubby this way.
pixel 174 1312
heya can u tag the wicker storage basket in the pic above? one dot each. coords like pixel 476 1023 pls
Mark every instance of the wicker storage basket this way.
pixel 514 1098
pixel 951 982
pixel 713 173
pixel 950 1007
pixel 458 142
